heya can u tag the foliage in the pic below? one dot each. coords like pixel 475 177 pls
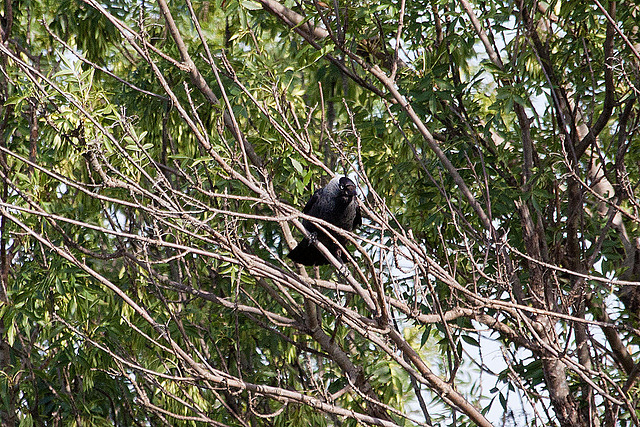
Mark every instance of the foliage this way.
pixel 154 160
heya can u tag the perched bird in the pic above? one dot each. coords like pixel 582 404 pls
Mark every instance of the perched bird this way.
pixel 337 204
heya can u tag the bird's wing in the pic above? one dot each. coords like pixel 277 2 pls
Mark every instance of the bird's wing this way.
pixel 312 201
pixel 357 221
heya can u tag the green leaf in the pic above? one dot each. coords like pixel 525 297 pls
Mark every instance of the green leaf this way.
pixel 27 421
pixel 296 165
pixel 425 335
pixel 11 333
pixel 251 5
pixel 470 340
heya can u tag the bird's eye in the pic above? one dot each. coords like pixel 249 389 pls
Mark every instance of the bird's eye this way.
pixel 341 187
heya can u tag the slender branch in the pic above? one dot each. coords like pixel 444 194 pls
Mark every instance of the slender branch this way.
pixel 202 85
pixel 477 26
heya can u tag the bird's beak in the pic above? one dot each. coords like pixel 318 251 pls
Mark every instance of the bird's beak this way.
pixel 351 190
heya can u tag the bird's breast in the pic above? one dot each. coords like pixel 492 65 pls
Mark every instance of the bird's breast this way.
pixel 348 217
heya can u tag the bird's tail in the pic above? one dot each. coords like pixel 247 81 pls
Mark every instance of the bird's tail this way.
pixel 307 254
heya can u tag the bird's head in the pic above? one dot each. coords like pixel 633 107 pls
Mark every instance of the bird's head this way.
pixel 347 189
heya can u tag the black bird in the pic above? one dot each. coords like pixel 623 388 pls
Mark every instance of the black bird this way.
pixel 337 204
